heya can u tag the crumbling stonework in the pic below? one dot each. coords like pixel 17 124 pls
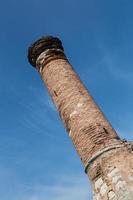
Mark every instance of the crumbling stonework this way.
pixel 107 159
pixel 113 181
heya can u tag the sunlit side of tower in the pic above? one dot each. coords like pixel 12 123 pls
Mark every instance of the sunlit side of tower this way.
pixel 108 161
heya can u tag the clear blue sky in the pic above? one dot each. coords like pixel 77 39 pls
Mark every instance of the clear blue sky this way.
pixel 37 159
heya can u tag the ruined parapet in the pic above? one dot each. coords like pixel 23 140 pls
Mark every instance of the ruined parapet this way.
pixel 108 161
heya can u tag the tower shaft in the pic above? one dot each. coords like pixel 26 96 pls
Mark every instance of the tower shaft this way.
pixel 108 161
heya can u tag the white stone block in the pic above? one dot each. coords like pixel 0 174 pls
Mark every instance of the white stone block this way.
pixel 130 178
pixel 73 113
pixel 121 185
pixel 98 183
pixel 111 195
pixel 79 105
pixel 114 172
pixel 97 197
pixel 116 178
pixel 104 189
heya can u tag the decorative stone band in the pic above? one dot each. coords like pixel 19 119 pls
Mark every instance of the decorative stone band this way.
pixel 98 154
pixel 45 56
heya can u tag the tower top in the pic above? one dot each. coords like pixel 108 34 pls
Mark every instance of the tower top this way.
pixel 48 44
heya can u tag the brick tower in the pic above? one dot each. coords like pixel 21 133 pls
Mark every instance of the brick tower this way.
pixel 108 161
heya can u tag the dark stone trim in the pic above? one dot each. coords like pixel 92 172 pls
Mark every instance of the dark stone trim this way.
pixel 42 45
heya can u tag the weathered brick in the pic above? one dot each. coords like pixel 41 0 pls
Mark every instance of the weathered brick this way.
pixel 91 133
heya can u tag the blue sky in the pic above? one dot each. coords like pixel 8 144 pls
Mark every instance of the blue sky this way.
pixel 38 161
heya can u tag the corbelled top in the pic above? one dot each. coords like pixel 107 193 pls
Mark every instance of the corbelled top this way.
pixel 42 45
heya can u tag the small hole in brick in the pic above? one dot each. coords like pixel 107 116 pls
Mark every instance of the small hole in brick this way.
pixel 55 93
pixel 105 130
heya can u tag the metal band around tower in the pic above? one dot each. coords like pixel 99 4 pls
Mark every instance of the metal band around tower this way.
pixel 98 154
